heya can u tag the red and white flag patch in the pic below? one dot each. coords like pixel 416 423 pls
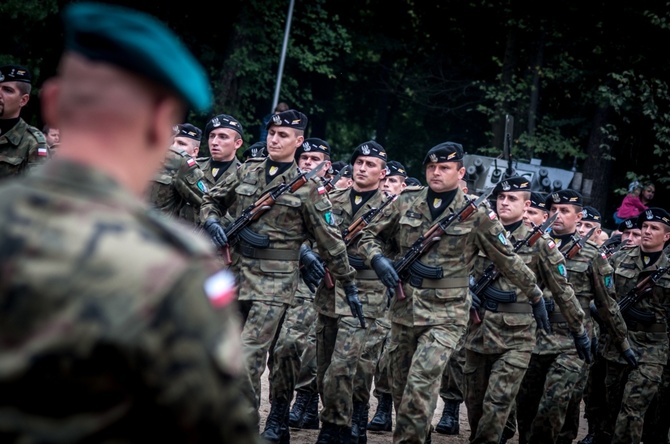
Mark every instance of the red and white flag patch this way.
pixel 42 151
pixel 190 162
pixel 220 288
pixel 493 215
pixel 321 190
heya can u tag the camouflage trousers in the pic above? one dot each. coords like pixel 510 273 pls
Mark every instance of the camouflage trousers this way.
pixel 382 377
pixel 595 398
pixel 630 391
pixel 570 428
pixel 367 364
pixel 260 327
pixel 452 385
pixel 656 425
pixel 418 356
pixel 295 349
pixel 492 382
pixel 544 396
pixel 339 344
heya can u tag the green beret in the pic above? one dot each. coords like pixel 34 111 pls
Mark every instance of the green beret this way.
pixel 627 224
pixel 538 201
pixel 313 144
pixel 15 73
pixel 369 149
pixel 223 121
pixel 256 150
pixel 512 184
pixel 395 168
pixel 138 43
pixel 188 130
pixel 565 197
pixel 445 152
pixel 591 214
pixel 653 214
pixel 290 118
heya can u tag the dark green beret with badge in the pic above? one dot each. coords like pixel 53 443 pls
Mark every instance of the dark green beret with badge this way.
pixel 369 149
pixel 512 184
pixel 412 182
pixel 564 197
pixel 313 145
pixel 445 152
pixel 15 73
pixel 289 118
pixel 189 131
pixel 590 214
pixel 627 224
pixel 395 168
pixel 257 150
pixel 223 121
pixel 537 200
pixel 138 43
pixel 342 166
pixel 653 214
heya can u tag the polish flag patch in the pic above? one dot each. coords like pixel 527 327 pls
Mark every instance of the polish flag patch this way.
pixel 493 215
pixel 42 151
pixel 321 190
pixel 551 244
pixel 190 162
pixel 220 289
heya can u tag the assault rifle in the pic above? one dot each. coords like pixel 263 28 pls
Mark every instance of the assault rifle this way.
pixel 429 238
pixel 261 206
pixel 643 287
pixel 577 244
pixel 608 250
pixel 331 183
pixel 491 273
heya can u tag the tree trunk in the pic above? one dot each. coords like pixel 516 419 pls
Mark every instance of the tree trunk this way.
pixel 598 166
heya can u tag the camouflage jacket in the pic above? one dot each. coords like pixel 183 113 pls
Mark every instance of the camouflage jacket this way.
pixel 501 331
pixel 409 218
pixel 371 292
pixel 205 164
pixel 107 322
pixel 273 275
pixel 650 346
pixel 22 148
pixel 179 183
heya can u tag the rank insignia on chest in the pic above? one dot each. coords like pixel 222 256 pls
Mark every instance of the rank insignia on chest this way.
pixel 358 200
pixel 215 171
pixel 273 170
pixel 561 270
pixel 437 203
pixel 557 242
pixel 502 238
pixel 646 260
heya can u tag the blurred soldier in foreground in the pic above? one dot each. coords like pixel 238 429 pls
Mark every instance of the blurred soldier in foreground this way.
pixel 115 325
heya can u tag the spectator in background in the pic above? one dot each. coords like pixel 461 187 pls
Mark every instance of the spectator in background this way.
pixel 53 137
pixel 635 202
pixel 281 107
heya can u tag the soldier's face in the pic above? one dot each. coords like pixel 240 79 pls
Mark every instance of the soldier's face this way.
pixel 223 143
pixel 654 236
pixel 53 136
pixel 585 226
pixel 309 160
pixel 368 172
pixel 535 216
pixel 634 235
pixel 11 100
pixel 511 206
pixel 282 142
pixel 187 144
pixel 393 184
pixel 444 176
pixel 568 216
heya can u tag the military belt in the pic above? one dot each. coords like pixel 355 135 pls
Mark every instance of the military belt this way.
pixel 367 275
pixel 556 316
pixel 461 282
pixel 513 307
pixel 269 253
pixel 647 328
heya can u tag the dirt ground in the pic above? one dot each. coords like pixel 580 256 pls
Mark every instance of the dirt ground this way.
pixel 299 436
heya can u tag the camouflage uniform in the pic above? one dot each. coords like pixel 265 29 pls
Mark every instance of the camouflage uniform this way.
pixel 22 148
pixel 555 367
pixel 107 332
pixel 180 183
pixel 268 278
pixel 427 325
pixel 339 336
pixel 631 390
pixel 498 350
pixel 205 164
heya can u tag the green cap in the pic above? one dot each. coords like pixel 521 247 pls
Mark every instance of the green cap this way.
pixel 139 43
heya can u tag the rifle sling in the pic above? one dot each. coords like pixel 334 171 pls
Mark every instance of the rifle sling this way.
pixel 366 275
pixel 268 253
pixel 556 317
pixel 460 282
pixel 512 307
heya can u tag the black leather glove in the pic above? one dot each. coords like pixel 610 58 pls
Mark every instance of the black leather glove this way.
pixel 476 302
pixel 216 231
pixel 351 291
pixel 583 345
pixel 311 270
pixel 629 356
pixel 541 316
pixel 384 269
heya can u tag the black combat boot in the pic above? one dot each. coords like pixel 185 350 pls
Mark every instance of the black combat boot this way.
pixel 310 419
pixel 448 424
pixel 588 439
pixel 363 425
pixel 298 409
pixel 356 421
pixel 329 434
pixel 344 436
pixel 383 421
pixel 276 427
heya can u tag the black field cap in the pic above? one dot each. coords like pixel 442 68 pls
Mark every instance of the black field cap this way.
pixel 564 197
pixel 369 149
pixel 412 181
pixel 188 130
pixel 223 121
pixel 538 201
pixel 627 224
pixel 313 145
pixel 444 152
pixel 591 214
pixel 395 168
pixel 339 165
pixel 512 184
pixel 653 214
pixel 15 73
pixel 290 118
pixel 139 43
pixel 255 150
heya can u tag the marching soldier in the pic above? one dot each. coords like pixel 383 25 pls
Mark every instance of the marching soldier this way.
pixel 428 323
pixel 224 135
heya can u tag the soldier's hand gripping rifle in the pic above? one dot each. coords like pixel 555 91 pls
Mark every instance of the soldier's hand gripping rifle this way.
pixel 261 206
pixel 571 249
pixel 432 236
pixel 643 287
pixel 608 250
pixel 491 273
